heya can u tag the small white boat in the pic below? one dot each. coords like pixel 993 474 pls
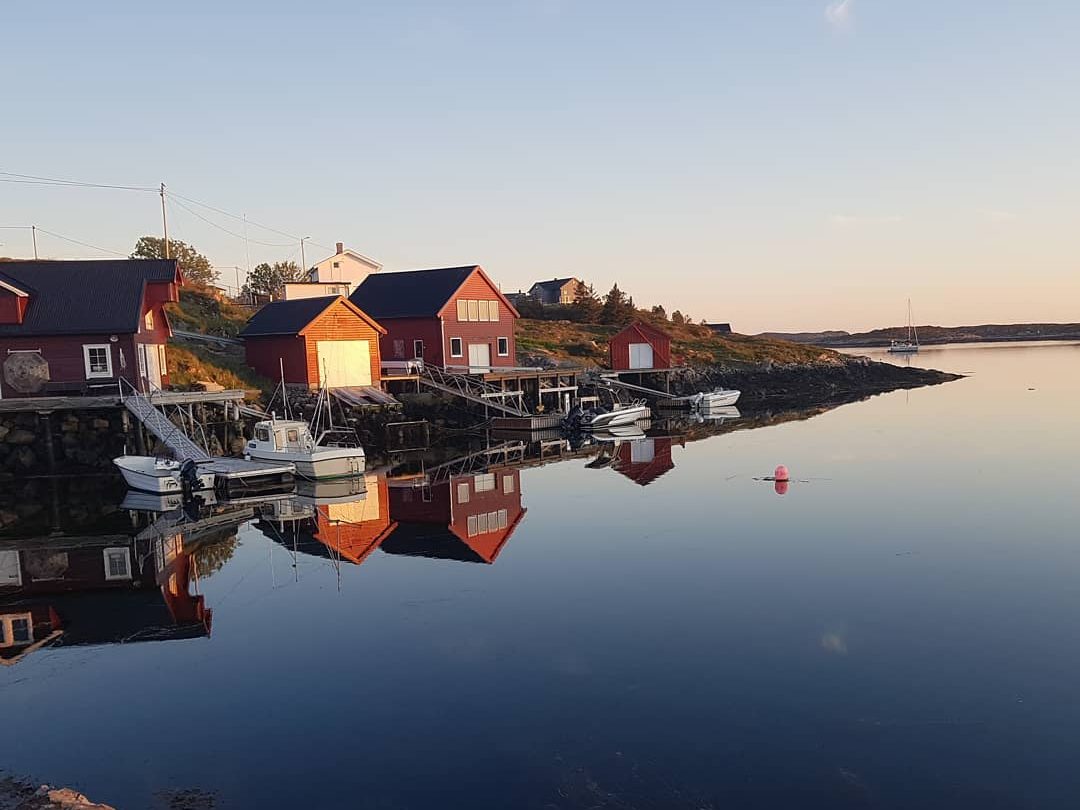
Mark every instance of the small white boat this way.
pixel 910 345
pixel 160 476
pixel 705 400
pixel 335 454
pixel 606 418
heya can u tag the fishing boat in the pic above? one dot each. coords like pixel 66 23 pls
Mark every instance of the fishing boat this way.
pixel 161 476
pixel 910 345
pixel 704 400
pixel 318 451
pixel 335 453
pixel 605 418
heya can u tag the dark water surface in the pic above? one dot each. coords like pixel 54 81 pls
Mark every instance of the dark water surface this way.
pixel 897 631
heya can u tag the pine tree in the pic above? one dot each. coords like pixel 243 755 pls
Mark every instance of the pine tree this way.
pixel 587 304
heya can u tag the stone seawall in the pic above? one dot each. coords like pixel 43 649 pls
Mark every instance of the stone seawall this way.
pixel 62 441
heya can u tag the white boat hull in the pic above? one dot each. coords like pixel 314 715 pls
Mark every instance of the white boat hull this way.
pixel 157 476
pixel 903 350
pixel 617 418
pixel 324 462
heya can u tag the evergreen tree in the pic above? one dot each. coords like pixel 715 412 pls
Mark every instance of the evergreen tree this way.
pixel 617 308
pixel 678 317
pixel 587 304
pixel 195 267
pixel 660 312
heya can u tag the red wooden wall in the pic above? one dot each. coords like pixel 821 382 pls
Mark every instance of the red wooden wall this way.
pixel 338 322
pixel 619 346
pixel 472 332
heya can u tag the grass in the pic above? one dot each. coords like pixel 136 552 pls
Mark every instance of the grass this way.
pixel 190 364
pixel 202 310
pixel 695 345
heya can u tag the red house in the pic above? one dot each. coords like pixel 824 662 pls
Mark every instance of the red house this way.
pixel 314 340
pixel 469 518
pixel 76 326
pixel 639 347
pixel 646 460
pixel 454 317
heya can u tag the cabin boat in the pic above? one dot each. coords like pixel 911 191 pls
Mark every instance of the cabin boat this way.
pixel 160 476
pixel 335 454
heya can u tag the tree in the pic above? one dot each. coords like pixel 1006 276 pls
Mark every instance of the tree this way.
pixel 269 279
pixel 195 267
pixel 617 307
pixel 678 317
pixel 587 304
pixel 660 312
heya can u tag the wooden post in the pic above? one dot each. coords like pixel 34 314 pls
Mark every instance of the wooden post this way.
pixel 45 425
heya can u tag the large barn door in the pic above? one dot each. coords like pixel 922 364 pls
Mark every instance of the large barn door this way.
pixel 344 363
pixel 641 355
pixel 479 356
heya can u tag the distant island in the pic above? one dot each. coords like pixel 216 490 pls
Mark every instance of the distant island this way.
pixel 931 335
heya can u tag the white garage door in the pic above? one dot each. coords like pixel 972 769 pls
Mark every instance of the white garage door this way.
pixel 641 355
pixel 344 362
pixel 479 356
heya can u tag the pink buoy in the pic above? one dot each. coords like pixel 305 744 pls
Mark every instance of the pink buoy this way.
pixel 780 487
pixel 781 474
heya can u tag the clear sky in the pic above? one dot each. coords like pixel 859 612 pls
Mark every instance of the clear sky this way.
pixel 780 164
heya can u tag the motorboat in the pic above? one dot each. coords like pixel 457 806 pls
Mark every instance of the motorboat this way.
pixel 605 418
pixel 704 401
pixel 161 476
pixel 334 454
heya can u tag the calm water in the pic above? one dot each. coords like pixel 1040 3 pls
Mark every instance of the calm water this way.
pixel 896 631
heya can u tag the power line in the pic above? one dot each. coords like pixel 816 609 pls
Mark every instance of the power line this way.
pixel 84 244
pixel 213 224
pixel 237 217
pixel 55 181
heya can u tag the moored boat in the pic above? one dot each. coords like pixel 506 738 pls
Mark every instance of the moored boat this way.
pixel 161 476
pixel 605 418
pixel 335 454
pixel 910 345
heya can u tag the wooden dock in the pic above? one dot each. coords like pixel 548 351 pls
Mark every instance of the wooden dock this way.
pixel 88 403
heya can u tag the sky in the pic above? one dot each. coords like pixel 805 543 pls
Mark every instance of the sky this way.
pixel 779 164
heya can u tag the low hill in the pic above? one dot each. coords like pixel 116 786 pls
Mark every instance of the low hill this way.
pixel 936 334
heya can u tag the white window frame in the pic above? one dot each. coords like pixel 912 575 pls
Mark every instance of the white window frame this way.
pixel 462 310
pixel 109 577
pixel 148 320
pixel 463 492
pixel 460 347
pixel 7 634
pixel 508 484
pixel 97 375
pixel 483 307
pixel 163 369
pixel 474 310
pixel 499 343
pixel 484 482
pixel 493 311
pixel 418 349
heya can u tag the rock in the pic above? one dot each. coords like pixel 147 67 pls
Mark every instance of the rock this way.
pixel 26 458
pixel 207 385
pixel 101 424
pixel 21 436
pixel 4 431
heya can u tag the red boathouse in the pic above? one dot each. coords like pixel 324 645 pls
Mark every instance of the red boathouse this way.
pixel 454 317
pixel 73 327
pixel 639 347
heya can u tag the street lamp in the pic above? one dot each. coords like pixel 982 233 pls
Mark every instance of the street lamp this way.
pixel 303 260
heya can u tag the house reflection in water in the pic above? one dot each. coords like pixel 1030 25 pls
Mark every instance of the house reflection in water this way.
pixel 343 520
pixel 469 518
pixel 644 460
pixel 110 589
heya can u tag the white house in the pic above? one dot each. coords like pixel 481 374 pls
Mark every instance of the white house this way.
pixel 339 274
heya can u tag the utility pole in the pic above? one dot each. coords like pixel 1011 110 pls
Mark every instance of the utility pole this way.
pixel 303 261
pixel 164 221
pixel 33 234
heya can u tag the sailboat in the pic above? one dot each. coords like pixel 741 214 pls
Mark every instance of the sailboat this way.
pixel 911 344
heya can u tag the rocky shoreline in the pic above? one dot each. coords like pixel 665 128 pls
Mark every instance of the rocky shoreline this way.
pixel 769 385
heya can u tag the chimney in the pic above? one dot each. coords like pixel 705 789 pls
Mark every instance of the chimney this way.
pixel 340 247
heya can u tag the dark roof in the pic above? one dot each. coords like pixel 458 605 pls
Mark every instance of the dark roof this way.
pixel 412 294
pixel 287 317
pixel 84 297
pixel 554 284
pixel 429 540
pixel 648 330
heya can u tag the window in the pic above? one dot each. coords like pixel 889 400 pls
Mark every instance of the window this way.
pixel 399 348
pixel 483 307
pixel 472 526
pixel 493 311
pixel 463 492
pixel 337 265
pixel 462 310
pixel 504 347
pixel 262 434
pixel 293 436
pixel 148 320
pixel 508 483
pixel 162 368
pixel 482 523
pixel 17 629
pixel 123 360
pixel 98 360
pixel 117 564
pixel 456 349
pixel 502 518
pixel 474 310
pixel 484 483
pixel 418 349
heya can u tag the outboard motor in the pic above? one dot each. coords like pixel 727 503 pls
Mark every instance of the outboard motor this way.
pixel 189 478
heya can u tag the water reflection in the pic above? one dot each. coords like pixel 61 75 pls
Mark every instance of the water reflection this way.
pixel 67 589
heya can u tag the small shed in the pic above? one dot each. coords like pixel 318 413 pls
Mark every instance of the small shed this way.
pixel 314 341
pixel 639 347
